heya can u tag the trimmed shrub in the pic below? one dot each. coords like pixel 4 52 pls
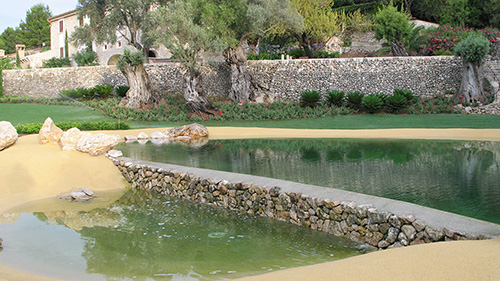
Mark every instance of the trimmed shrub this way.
pixel 34 128
pixel 335 98
pixel 473 49
pixel 396 103
pixel 310 99
pixel 354 99
pixel 372 103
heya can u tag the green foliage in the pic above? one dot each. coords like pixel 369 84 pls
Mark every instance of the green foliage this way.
pixel 56 62
pixel 86 57
pixel 354 99
pixel 108 15
pixel 98 92
pixel 372 103
pixel 121 91
pixel 473 49
pixel 34 128
pixel 296 53
pixel 326 54
pixel 409 95
pixel 335 98
pixel 392 25
pixel 130 58
pixel 396 103
pixel 10 37
pixel 310 99
pixel 36 29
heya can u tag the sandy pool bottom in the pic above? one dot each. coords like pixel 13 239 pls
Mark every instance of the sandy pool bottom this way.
pixel 30 171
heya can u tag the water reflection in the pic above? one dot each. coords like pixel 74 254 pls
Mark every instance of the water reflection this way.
pixel 455 176
pixel 149 236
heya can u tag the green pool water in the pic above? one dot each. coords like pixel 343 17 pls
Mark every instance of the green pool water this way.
pixel 455 176
pixel 146 236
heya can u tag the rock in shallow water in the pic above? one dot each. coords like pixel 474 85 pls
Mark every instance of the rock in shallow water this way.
pixel 81 195
pixel 8 135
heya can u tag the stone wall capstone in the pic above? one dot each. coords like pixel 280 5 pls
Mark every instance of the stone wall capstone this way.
pixel 360 223
pixel 287 79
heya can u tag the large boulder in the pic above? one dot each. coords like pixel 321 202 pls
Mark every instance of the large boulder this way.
pixel 193 131
pixel 50 132
pixel 97 144
pixel 71 137
pixel 8 134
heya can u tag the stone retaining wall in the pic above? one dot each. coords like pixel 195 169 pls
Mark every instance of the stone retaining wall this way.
pixel 361 223
pixel 426 76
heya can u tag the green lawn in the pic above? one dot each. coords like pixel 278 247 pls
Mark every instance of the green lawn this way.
pixel 34 113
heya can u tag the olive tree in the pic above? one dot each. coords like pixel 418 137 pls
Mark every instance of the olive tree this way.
pixel 127 19
pixel 234 21
pixel 473 50
pixel 394 27
pixel 181 28
pixel 320 23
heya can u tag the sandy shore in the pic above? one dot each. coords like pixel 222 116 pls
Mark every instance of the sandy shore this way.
pixel 31 171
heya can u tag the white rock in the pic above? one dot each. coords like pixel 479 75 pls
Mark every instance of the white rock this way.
pixel 130 138
pixel 50 132
pixel 8 134
pixel 158 135
pixel 142 136
pixel 114 153
pixel 71 137
pixel 97 144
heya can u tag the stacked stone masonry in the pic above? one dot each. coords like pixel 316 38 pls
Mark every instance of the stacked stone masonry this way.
pixel 361 223
pixel 287 79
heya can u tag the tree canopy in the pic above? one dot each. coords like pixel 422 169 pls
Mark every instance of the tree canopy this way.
pixel 36 29
pixel 111 19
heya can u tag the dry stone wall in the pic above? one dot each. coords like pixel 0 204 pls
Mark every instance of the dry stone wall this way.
pixel 360 223
pixel 287 79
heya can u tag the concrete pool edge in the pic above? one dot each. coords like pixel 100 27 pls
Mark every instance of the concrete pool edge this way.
pixel 402 223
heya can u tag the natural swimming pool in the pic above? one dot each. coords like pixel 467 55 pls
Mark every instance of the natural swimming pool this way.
pixel 461 177
pixel 149 236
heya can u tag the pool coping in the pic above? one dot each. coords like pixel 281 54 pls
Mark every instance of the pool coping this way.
pixel 431 217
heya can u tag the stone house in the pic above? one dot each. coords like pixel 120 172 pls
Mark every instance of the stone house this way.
pixel 108 54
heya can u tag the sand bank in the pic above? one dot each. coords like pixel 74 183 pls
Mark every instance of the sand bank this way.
pixel 30 171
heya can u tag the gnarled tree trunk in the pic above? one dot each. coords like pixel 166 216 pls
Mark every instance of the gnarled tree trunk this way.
pixel 141 91
pixel 305 43
pixel 192 89
pixel 241 80
pixel 471 89
pixel 398 49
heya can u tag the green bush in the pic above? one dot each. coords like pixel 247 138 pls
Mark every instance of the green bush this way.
pixel 121 91
pixel 372 103
pixel 325 54
pixel 86 58
pixel 34 128
pixel 396 103
pixel 102 91
pixel 410 97
pixel 310 99
pixel 72 93
pixel 354 99
pixel 297 53
pixel 56 62
pixel 335 98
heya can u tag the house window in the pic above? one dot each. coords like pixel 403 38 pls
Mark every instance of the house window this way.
pixel 81 22
pixel 61 26
pixel 61 52
pixel 119 44
pixel 105 47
